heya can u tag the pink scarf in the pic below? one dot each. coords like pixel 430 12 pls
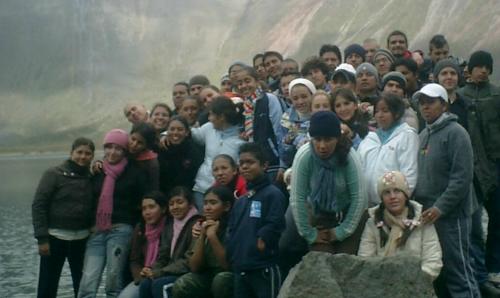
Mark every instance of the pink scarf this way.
pixel 105 206
pixel 179 225
pixel 146 155
pixel 153 233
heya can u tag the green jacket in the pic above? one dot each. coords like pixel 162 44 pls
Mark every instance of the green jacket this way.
pixel 486 101
pixel 349 187
pixel 483 120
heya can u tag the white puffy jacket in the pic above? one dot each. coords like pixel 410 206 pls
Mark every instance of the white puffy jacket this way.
pixel 423 242
pixel 399 153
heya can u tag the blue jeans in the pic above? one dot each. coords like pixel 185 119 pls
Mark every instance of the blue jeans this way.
pixel 130 291
pixel 108 249
pixel 198 200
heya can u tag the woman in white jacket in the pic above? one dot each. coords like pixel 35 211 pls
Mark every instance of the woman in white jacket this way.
pixel 219 136
pixel 394 227
pixel 392 147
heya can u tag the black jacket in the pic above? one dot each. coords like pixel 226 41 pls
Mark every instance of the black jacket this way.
pixel 177 263
pixel 63 200
pixel 263 132
pixel 179 165
pixel 130 186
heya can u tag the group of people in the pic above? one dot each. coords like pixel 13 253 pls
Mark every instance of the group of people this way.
pixel 389 152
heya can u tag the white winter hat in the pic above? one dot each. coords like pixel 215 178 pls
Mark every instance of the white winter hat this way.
pixel 309 85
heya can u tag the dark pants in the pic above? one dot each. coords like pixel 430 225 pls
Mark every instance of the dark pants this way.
pixel 292 246
pixel 261 283
pixel 477 247
pixel 492 205
pixel 456 278
pixel 51 266
pixel 160 287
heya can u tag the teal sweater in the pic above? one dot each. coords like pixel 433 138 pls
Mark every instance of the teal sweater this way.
pixel 349 187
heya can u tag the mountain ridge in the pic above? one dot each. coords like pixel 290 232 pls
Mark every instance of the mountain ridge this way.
pixel 68 67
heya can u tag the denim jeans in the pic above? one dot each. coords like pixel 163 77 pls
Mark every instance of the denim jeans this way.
pixel 198 201
pixel 51 266
pixel 130 291
pixel 108 249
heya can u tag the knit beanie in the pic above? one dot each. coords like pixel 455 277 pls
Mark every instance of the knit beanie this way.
pixel 324 124
pixel 384 52
pixel 442 64
pixel 118 137
pixel 367 67
pixel 199 80
pixel 309 85
pixel 393 179
pixel 354 49
pixel 394 76
pixel 480 58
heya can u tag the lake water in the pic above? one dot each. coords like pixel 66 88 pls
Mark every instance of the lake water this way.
pixel 19 260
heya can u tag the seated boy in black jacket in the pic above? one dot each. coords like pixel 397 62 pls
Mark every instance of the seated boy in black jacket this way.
pixel 255 226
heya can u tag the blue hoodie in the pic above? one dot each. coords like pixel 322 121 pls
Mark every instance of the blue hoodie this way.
pixel 258 214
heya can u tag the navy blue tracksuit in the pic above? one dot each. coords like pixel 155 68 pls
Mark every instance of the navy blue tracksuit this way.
pixel 258 214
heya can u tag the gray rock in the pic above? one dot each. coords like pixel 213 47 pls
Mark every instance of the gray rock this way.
pixel 345 276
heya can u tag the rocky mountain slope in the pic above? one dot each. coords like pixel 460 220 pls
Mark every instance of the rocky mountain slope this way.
pixel 69 66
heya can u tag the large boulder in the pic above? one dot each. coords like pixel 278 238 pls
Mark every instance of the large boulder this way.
pixel 345 276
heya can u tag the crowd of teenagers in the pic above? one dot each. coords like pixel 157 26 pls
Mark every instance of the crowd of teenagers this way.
pixel 387 153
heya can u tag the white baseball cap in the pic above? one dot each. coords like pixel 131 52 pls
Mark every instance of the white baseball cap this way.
pixel 346 67
pixel 432 90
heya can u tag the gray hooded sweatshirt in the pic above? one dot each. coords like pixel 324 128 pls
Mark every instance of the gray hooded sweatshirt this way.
pixel 445 168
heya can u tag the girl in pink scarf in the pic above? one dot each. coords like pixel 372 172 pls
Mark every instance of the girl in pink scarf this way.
pixel 115 148
pixel 146 241
pixel 109 244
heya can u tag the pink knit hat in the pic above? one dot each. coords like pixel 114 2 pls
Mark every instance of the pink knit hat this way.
pixel 118 137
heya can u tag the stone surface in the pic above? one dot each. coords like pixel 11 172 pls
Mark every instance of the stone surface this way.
pixel 344 276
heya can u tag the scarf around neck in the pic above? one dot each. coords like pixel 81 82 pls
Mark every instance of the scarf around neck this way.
pixel 179 225
pixel 153 233
pixel 385 134
pixel 397 226
pixel 323 196
pixel 146 155
pixel 248 112
pixel 105 205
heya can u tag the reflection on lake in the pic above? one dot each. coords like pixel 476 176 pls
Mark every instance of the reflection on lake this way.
pixel 19 261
